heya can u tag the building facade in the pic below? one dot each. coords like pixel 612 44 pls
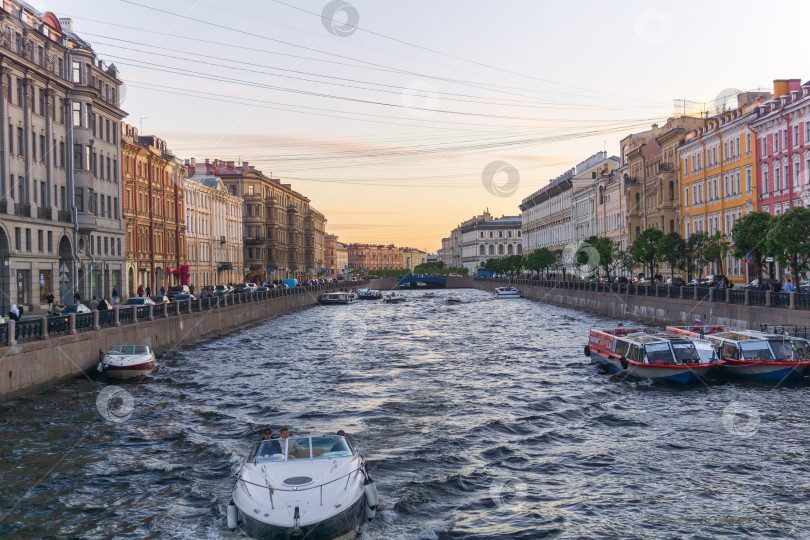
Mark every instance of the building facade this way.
pixel 485 237
pixel 411 258
pixel 718 177
pixel 369 257
pixel 782 127
pixel 59 165
pixel 548 214
pixel 610 204
pixel 214 246
pixel 283 234
pixel 154 212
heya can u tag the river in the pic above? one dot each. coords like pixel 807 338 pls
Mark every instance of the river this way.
pixel 479 420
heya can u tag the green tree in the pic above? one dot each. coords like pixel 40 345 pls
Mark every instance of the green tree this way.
pixel 789 241
pixel 716 249
pixel 514 263
pixel 750 235
pixel 646 247
pixel 693 254
pixel 671 251
pixel 600 252
pixel 626 262
pixel 559 261
pixel 539 260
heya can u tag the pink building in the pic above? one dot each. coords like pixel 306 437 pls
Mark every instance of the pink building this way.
pixel 782 127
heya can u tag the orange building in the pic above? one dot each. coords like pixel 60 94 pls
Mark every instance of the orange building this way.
pixel 366 257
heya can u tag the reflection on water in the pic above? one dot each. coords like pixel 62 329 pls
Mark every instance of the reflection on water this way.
pixel 479 420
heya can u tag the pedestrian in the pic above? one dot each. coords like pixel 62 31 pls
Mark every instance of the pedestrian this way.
pixel 76 297
pixel 140 290
pixel 103 305
pixel 115 296
pixel 789 286
pixel 93 303
pixel 57 308
pixel 162 290
pixel 148 290
pixel 14 313
pixel 49 299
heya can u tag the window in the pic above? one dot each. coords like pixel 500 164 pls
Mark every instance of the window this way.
pixel 491 249
pixel 20 92
pixel 62 154
pixel 42 150
pixel 686 197
pixel 20 141
pixel 482 250
pixel 77 72
pixel 27 239
pixel 796 135
pixel 777 182
pixel 40 240
pixel 765 185
pixel 747 143
pixel 775 143
pixel 765 146
pixel 77 114
pixel 50 242
pixel 78 194
pixel 10 139
pixel 17 238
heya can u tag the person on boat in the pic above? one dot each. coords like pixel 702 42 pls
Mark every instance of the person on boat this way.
pixel 292 446
pixel 267 435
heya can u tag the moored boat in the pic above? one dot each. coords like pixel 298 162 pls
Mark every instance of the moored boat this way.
pixel 302 487
pixel 647 354
pixel 507 292
pixel 750 354
pixel 127 361
pixel 336 298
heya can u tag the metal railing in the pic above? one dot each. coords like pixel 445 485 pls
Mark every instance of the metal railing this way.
pixel 27 330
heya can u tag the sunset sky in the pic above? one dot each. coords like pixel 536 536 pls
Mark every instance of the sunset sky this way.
pixel 388 126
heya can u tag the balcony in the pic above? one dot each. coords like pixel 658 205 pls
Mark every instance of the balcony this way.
pixel 22 209
pixel 665 167
pixel 223 266
pixel 254 240
pixel 44 213
pixel 64 217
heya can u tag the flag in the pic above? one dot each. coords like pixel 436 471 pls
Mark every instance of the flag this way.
pixel 698 322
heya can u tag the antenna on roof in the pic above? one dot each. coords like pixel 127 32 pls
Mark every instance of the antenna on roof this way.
pixel 142 119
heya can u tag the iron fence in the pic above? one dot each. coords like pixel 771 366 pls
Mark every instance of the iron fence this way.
pixel 143 313
pixel 756 298
pixel 58 326
pixel 28 330
pixel 84 322
pixel 780 299
pixel 803 301
pixel 125 315
pixel 106 318
pixel 737 296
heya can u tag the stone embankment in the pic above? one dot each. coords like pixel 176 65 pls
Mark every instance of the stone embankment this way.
pixel 661 305
pixel 47 350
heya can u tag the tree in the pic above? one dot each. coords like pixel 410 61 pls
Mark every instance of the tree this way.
pixel 626 262
pixel 693 255
pixel 646 247
pixel 672 251
pixel 716 249
pixel 515 263
pixel 789 241
pixel 540 259
pixel 750 234
pixel 601 252
pixel 559 261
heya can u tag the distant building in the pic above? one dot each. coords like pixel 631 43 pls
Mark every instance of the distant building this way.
pixel 551 219
pixel 484 237
pixel 154 212
pixel 366 257
pixel 213 232
pixel 341 258
pixel 411 258
pixel 283 234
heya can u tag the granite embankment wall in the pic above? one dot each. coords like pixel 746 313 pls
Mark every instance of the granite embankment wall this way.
pixel 454 282
pixel 28 365
pixel 657 308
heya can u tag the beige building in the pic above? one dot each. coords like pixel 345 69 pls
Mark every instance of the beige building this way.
pixel 59 148
pixel 411 258
pixel 283 235
pixel 341 258
pixel 213 232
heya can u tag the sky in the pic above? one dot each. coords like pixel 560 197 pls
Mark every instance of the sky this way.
pixel 399 120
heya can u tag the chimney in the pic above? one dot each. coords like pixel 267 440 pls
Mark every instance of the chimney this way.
pixel 192 162
pixel 245 164
pixel 655 126
pixel 66 24
pixel 230 164
pixel 206 161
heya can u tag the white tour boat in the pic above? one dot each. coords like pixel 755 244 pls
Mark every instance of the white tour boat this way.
pixel 126 361
pixel 336 298
pixel 393 298
pixel 302 487
pixel 507 292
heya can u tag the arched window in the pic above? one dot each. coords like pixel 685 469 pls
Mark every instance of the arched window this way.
pixel 671 225
pixel 520 249
pixel 482 251
pixel 500 249
pixel 491 249
pixel 601 195
pixel 672 191
pixel 510 249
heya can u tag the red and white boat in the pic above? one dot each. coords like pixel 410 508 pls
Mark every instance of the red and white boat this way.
pixel 649 354
pixel 750 354
pixel 126 361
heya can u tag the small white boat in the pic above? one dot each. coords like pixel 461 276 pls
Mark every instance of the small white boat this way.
pixel 368 294
pixel 507 292
pixel 336 298
pixel 393 298
pixel 452 300
pixel 126 361
pixel 430 295
pixel 302 487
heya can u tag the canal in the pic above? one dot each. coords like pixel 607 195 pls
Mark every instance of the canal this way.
pixel 479 420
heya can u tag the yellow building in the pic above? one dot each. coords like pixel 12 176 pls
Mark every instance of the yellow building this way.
pixel 719 177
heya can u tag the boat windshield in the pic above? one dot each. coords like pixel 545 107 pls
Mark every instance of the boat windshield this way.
pixel 128 349
pixel 705 350
pixel 659 353
pixel 783 350
pixel 685 353
pixel 756 350
pixel 329 446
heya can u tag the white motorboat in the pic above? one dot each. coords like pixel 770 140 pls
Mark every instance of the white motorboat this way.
pixel 336 298
pixel 368 294
pixel 126 361
pixel 507 292
pixel 452 300
pixel 429 295
pixel 393 298
pixel 302 487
